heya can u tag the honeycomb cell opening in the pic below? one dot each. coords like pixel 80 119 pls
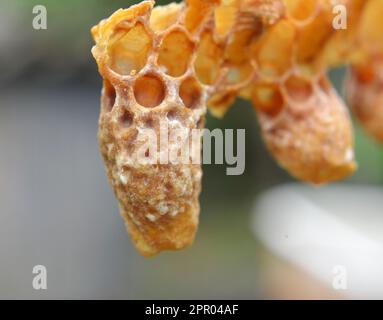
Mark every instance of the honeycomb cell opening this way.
pixel 163 17
pixel 129 49
pixel 268 98
pixel 149 91
pixel 175 53
pixel 190 93
pixel 110 94
pixel 298 89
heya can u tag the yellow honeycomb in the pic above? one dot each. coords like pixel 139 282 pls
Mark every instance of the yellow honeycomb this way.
pixel 167 64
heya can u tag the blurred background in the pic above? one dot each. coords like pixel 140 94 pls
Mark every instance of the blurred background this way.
pixel 57 209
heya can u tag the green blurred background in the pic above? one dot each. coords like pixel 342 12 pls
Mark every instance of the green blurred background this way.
pixel 56 207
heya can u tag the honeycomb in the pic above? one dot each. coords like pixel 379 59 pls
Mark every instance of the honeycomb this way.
pixel 167 65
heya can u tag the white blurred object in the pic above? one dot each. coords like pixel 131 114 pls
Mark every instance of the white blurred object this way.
pixel 332 233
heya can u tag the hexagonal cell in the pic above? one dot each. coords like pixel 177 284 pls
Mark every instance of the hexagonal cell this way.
pixel 298 88
pixel 129 49
pixel 175 53
pixel 190 93
pixel 273 52
pixel 163 17
pixel 268 98
pixel 301 9
pixel 208 61
pixel 149 91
